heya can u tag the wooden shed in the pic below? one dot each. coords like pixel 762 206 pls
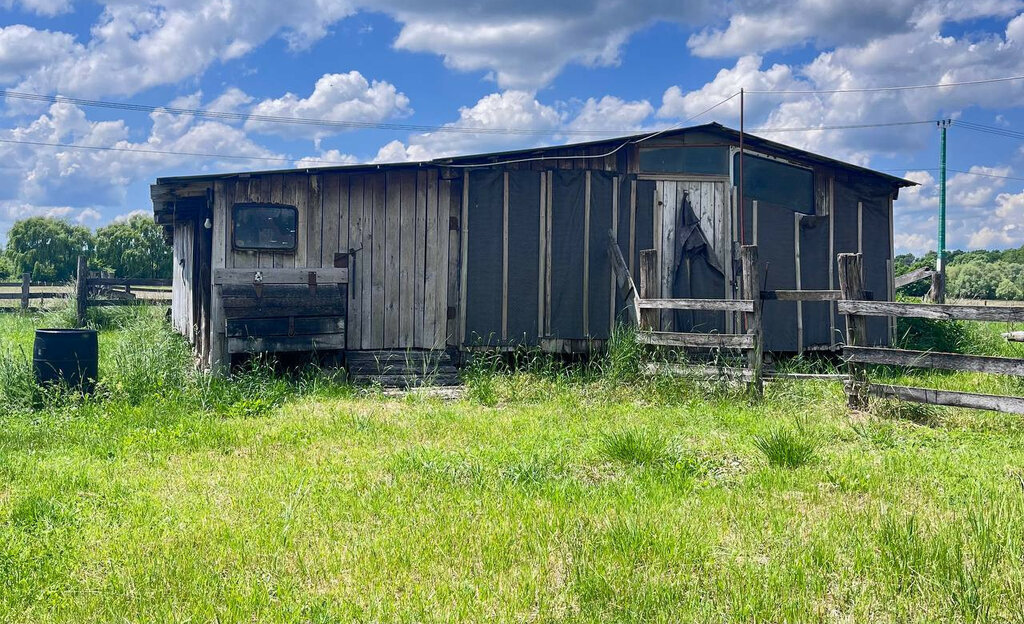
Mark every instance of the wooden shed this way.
pixel 508 249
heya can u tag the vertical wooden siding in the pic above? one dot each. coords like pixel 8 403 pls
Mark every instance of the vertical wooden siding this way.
pixel 394 229
pixel 181 279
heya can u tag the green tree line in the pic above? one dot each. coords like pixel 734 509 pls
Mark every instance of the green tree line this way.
pixel 979 274
pixel 48 248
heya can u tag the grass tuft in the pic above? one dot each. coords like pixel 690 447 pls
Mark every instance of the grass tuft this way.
pixel 636 446
pixel 785 447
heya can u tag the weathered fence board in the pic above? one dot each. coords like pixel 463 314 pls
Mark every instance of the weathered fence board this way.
pixel 696 341
pixel 935 311
pixel 931 359
pixel 716 305
pixel 914 276
pixel 801 295
pixel 297 326
pixel 1007 404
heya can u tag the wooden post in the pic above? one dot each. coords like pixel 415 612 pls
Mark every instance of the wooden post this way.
pixel 648 286
pixel 752 291
pixel 937 294
pixel 26 281
pixel 81 292
pixel 851 285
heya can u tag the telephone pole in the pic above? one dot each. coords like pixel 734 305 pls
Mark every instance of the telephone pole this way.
pixel 939 293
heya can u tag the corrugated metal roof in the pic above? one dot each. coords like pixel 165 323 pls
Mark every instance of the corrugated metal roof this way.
pixel 752 141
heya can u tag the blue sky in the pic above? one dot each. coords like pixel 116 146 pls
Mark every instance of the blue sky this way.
pixel 552 69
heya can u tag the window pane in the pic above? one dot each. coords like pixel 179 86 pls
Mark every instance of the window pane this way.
pixel 264 226
pixel 699 160
pixel 777 183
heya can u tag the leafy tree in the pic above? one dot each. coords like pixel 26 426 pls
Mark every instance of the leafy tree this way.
pixel 46 247
pixel 133 248
pixel 1008 290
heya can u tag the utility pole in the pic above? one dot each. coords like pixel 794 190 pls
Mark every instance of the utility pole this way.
pixel 939 294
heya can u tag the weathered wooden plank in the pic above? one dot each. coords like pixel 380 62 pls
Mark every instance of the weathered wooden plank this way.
pixel 937 311
pixel 431 263
pixel 914 276
pixel 280 276
pixel 504 256
pixel 129 281
pixel 801 295
pixel 315 222
pixel 542 233
pixel 286 344
pixel 267 182
pixel 283 326
pixel 419 277
pixel 392 259
pixel 407 262
pixel 297 192
pixel 463 269
pixel 377 195
pixel 586 253
pixel 1006 404
pixel 711 305
pixel 448 275
pixel 1014 336
pixel 32 295
pixel 108 303
pixel 331 219
pixel 359 261
pixel 620 273
pixel 696 341
pixel 218 341
pixel 250 307
pixel 671 198
pixel 649 288
pixel 242 193
pixel 727 373
pixel 298 292
pixel 933 359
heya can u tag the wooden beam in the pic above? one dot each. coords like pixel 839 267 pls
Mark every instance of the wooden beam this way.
pixel 648 287
pixel 621 274
pixel 930 359
pixel 1014 336
pixel 710 305
pixel 1006 404
pixel 936 311
pixel 914 276
pixel 278 276
pixel 125 281
pixel 81 291
pixel 801 295
pixel 696 341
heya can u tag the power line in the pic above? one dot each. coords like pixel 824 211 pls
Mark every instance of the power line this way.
pixel 282 119
pixel 976 127
pixel 892 88
pixel 845 127
pixel 164 152
pixel 973 173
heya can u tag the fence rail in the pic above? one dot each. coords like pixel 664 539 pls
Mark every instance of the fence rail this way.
pixel 28 290
pixel 858 354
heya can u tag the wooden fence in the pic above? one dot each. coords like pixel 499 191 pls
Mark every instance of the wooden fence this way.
pixel 28 291
pixel 851 300
pixel 115 291
pixel 857 354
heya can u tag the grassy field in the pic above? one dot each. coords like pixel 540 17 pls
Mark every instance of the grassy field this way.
pixel 548 494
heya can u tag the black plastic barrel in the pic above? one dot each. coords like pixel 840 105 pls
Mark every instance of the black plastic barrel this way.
pixel 67 356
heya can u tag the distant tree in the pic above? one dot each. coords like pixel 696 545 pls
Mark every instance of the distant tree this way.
pixel 47 248
pixel 1009 290
pixel 6 269
pixel 133 248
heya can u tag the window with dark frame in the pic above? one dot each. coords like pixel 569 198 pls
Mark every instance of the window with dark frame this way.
pixel 264 227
